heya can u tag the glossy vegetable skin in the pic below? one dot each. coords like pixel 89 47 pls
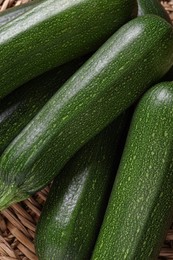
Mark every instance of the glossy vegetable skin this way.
pixel 73 212
pixel 140 207
pixel 18 108
pixel 155 7
pixel 109 82
pixel 152 7
pixel 53 33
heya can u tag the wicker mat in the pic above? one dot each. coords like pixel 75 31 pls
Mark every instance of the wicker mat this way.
pixel 17 228
pixel 4 4
pixel 18 223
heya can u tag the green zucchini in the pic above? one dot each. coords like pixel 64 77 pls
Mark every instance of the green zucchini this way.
pixel 19 107
pixel 140 207
pixel 12 13
pixel 152 7
pixel 53 33
pixel 109 82
pixel 69 222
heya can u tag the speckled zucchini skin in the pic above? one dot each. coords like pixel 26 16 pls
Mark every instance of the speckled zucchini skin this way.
pixel 109 82
pixel 53 33
pixel 73 213
pixel 12 13
pixel 152 7
pixel 18 108
pixel 155 7
pixel 140 207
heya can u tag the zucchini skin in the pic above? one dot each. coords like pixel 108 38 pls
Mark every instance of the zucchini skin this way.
pixel 53 33
pixel 155 7
pixel 85 104
pixel 71 218
pixel 140 207
pixel 12 13
pixel 152 7
pixel 19 107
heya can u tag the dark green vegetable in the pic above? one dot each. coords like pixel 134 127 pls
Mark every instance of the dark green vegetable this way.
pixel 73 212
pixel 155 7
pixel 140 207
pixel 109 82
pixel 152 7
pixel 12 13
pixel 18 108
pixel 53 33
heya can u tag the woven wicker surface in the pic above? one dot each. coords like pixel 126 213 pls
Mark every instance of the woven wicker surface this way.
pixel 18 223
pixel 4 4
pixel 17 228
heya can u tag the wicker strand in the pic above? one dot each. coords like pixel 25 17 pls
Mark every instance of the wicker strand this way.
pixel 17 228
pixel 4 4
pixel 18 223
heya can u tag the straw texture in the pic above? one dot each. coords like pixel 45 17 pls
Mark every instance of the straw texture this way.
pixel 17 228
pixel 18 223
pixel 4 4
pixel 168 5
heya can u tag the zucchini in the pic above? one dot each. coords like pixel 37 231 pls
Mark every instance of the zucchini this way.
pixel 69 223
pixel 155 7
pixel 12 13
pixel 53 33
pixel 152 7
pixel 109 82
pixel 19 107
pixel 140 207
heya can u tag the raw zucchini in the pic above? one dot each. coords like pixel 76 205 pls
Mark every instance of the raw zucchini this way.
pixel 109 82
pixel 18 108
pixel 152 7
pixel 155 7
pixel 140 207
pixel 12 13
pixel 53 33
pixel 73 212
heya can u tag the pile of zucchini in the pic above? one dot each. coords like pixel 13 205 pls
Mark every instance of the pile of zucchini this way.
pixel 86 101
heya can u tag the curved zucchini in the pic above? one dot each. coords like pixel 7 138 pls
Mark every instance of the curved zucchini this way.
pixel 53 33
pixel 69 222
pixel 109 82
pixel 12 13
pixel 155 7
pixel 140 207
pixel 152 7
pixel 18 108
